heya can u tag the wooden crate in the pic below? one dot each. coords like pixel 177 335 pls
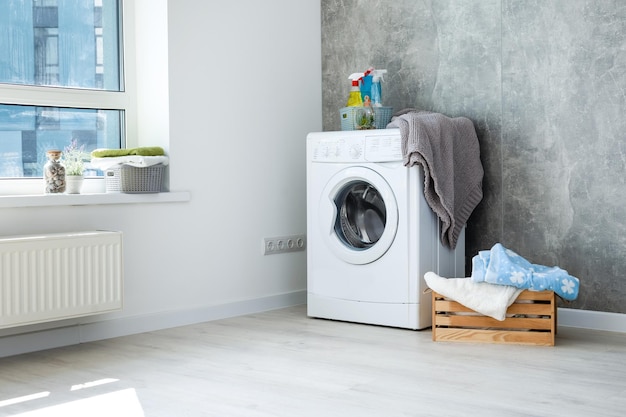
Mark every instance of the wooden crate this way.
pixel 531 320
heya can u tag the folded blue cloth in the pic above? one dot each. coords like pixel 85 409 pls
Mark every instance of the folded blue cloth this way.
pixel 505 267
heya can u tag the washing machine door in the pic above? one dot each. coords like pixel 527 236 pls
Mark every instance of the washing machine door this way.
pixel 358 215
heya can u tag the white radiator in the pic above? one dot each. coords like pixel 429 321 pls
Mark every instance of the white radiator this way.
pixel 59 276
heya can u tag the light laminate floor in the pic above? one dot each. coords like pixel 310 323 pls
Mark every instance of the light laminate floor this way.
pixel 281 363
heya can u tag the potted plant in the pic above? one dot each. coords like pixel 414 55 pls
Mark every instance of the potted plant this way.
pixel 74 158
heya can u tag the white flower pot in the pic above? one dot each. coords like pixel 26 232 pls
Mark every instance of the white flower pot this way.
pixel 73 184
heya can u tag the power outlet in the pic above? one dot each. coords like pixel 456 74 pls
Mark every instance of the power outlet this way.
pixel 283 244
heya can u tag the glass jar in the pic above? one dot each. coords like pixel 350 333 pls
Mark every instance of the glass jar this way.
pixel 54 173
pixel 365 116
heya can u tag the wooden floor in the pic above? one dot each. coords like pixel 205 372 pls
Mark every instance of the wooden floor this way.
pixel 281 363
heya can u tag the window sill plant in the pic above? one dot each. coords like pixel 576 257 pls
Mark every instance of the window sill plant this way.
pixel 74 158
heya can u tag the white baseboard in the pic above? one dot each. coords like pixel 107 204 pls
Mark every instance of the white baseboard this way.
pixel 89 332
pixel 75 333
pixel 594 320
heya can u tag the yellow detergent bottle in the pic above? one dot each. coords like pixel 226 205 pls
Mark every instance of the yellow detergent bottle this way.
pixel 354 99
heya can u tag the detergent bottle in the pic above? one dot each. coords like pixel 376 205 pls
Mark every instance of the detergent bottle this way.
pixel 366 83
pixel 376 91
pixel 354 99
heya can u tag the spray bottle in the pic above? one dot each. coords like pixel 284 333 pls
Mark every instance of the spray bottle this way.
pixel 354 99
pixel 377 93
pixel 366 83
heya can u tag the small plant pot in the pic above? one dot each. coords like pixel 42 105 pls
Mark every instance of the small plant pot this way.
pixel 73 184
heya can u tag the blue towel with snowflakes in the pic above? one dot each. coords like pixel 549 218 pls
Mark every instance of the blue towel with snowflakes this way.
pixel 505 267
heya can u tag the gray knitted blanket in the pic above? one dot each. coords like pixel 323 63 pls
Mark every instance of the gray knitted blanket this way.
pixel 448 150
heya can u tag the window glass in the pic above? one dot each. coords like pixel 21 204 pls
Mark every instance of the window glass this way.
pixel 60 81
pixel 27 132
pixel 65 43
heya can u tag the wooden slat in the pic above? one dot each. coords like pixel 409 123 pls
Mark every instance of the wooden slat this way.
pixel 536 295
pixel 494 336
pixel 483 321
pixel 522 308
pixel 446 305
pixel 534 309
pixel 526 295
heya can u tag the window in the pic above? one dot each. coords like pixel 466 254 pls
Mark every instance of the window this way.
pixel 61 80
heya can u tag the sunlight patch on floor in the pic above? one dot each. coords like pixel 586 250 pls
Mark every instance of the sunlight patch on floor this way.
pixel 119 403
pixel 24 398
pixel 92 384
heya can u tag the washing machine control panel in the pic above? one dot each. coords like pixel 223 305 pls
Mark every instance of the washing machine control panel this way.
pixel 357 147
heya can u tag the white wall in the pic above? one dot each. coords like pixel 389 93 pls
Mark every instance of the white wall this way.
pixel 244 90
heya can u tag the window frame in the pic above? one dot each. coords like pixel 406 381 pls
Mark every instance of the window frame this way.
pixel 82 98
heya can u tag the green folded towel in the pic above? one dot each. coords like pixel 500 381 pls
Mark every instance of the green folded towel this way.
pixel 104 153
pixel 142 151
pixel 148 151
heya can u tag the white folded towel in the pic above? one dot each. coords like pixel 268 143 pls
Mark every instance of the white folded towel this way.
pixel 488 299
pixel 132 160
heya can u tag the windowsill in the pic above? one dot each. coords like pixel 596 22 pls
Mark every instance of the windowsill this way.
pixel 46 200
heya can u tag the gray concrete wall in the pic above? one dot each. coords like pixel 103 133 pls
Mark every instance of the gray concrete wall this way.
pixel 544 82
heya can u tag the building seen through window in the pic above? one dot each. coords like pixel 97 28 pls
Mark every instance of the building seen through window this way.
pixel 57 45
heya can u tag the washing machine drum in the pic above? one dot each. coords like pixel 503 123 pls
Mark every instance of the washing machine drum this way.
pixel 361 215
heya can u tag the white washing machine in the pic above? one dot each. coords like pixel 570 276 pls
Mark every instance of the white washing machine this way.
pixel 371 234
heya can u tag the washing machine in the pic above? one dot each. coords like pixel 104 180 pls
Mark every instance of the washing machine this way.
pixel 371 235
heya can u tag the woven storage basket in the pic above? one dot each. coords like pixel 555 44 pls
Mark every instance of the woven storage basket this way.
pixel 382 117
pixel 133 180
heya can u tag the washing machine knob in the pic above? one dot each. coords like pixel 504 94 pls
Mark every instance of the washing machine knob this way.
pixel 355 152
